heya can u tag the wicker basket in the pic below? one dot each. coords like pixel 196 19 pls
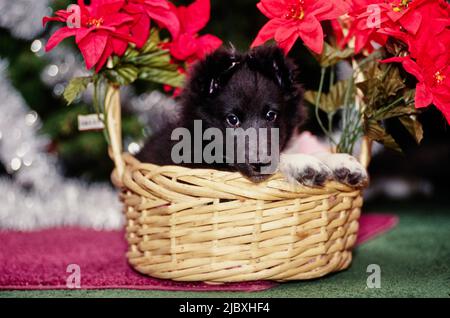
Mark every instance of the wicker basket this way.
pixel 207 225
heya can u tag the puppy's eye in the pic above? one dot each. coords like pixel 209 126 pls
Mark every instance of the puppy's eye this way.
pixel 233 120
pixel 271 115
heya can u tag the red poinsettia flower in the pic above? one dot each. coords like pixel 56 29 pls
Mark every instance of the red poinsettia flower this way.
pixel 374 20
pixel 293 19
pixel 435 18
pixel 103 30
pixel 405 13
pixel 144 11
pixel 431 67
pixel 338 32
pixel 187 45
pixel 362 27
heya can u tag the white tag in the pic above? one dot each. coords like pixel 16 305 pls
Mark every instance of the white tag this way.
pixel 90 122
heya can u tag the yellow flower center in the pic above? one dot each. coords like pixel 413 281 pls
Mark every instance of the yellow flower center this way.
pixel 439 77
pixel 296 11
pixel 401 5
pixel 95 22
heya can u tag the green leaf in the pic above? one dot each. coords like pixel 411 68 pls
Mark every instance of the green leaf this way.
pixel 122 74
pixel 332 55
pixel 396 112
pixel 152 43
pixel 413 126
pixel 160 57
pixel 128 74
pixel 392 82
pixel 162 76
pixel 333 100
pixel 75 87
pixel 150 63
pixel 376 132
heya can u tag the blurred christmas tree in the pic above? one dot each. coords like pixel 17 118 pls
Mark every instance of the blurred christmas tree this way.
pixel 41 78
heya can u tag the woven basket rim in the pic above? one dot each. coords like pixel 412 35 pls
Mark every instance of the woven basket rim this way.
pixel 132 164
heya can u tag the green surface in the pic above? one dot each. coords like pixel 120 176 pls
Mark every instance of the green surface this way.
pixel 414 260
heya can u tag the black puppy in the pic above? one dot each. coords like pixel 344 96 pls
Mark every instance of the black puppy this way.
pixel 229 89
pixel 256 90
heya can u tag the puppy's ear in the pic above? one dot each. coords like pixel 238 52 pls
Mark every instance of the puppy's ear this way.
pixel 211 74
pixel 272 62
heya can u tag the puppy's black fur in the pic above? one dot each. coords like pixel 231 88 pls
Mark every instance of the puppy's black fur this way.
pixel 247 86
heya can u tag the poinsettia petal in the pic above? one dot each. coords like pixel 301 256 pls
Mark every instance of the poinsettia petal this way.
pixel 104 58
pixel 411 21
pixel 423 96
pixel 155 3
pixel 92 47
pixel 409 65
pixel 184 47
pixel 194 17
pixel 134 8
pixel 60 16
pixel 377 40
pixel 264 11
pixel 338 33
pixel 319 7
pixel 393 15
pixel 309 24
pixel 119 42
pixel 312 35
pixel 82 6
pixel 166 18
pixel 287 44
pixel 396 33
pixel 397 59
pixel 140 29
pixel 361 39
pixel 120 47
pixel 267 31
pixel 116 19
pixel 46 20
pixel 82 32
pixel 329 9
pixel 272 8
pixel 207 44
pixel 285 31
pixel 107 7
pixel 58 36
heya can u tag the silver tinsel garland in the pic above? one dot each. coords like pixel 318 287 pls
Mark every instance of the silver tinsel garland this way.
pixel 23 17
pixel 37 195
pixel 155 109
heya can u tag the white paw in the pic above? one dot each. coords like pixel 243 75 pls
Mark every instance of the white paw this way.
pixel 346 169
pixel 304 169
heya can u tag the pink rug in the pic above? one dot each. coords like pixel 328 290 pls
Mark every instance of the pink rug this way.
pixel 39 260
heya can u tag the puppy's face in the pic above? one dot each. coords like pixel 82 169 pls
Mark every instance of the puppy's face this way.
pixel 253 95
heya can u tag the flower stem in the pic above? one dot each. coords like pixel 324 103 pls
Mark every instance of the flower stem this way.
pixel 317 102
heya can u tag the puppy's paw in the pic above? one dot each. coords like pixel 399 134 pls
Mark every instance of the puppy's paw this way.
pixel 346 169
pixel 304 169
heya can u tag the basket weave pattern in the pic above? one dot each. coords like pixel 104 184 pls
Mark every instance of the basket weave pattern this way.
pixel 207 225
pixel 215 226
